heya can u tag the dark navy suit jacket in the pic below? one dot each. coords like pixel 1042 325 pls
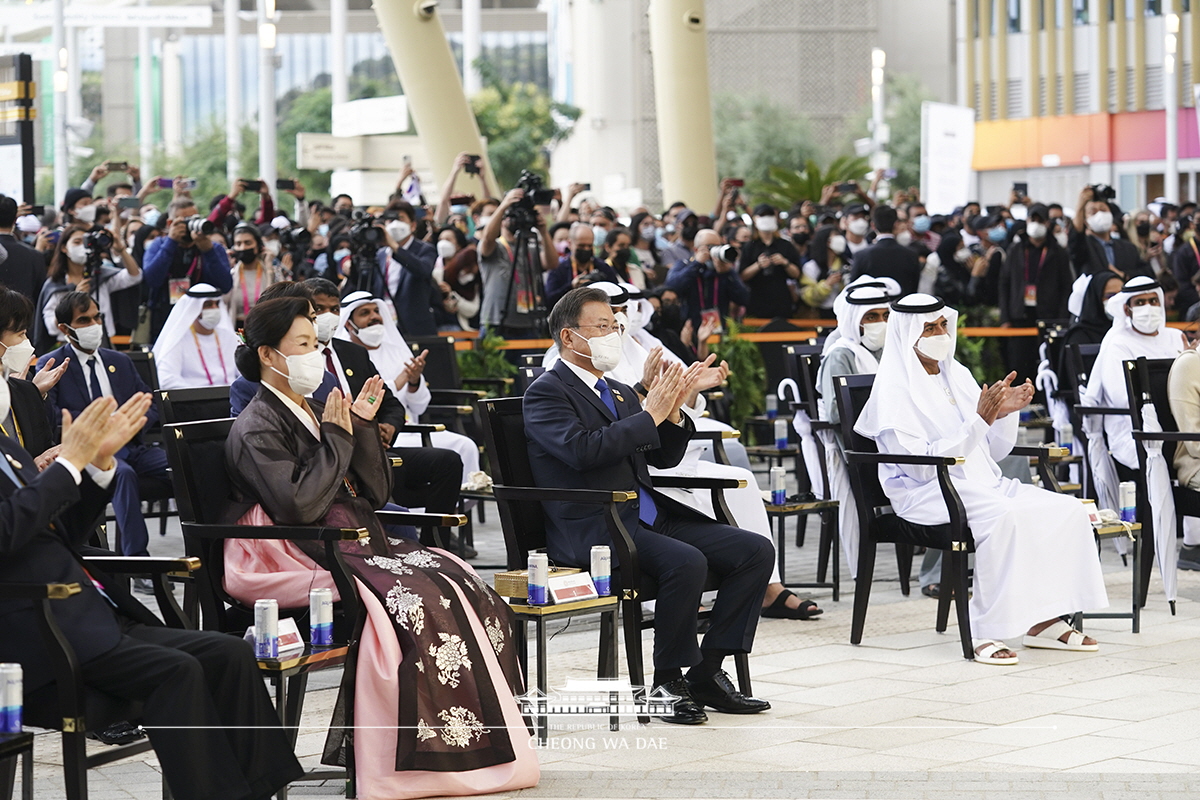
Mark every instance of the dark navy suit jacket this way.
pixel 73 393
pixel 575 443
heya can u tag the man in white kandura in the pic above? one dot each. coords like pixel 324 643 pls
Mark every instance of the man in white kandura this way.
pixel 197 343
pixel 1035 554
pixel 362 322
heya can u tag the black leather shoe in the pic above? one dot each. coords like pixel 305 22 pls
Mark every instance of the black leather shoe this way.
pixel 718 692
pixel 687 710
pixel 118 733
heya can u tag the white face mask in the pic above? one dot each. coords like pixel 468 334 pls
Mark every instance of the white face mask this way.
pixel 873 334
pixel 766 224
pixel 858 226
pixel 1036 230
pixel 371 336
pixel 1100 222
pixel 483 221
pixel 446 249
pixel 86 214
pixel 77 253
pixel 904 238
pixel 962 255
pixel 837 244
pixel 1061 238
pixel 606 351
pixel 1147 319
pixel 936 347
pixel 327 323
pixel 399 230
pixel 304 372
pixel 16 358
pixel 272 246
pixel 210 318
pixel 88 338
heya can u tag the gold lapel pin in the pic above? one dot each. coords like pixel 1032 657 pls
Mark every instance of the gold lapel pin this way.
pixel 111 368
pixel 13 461
pixel 349 373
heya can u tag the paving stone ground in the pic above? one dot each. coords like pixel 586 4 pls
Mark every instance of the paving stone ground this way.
pixel 901 716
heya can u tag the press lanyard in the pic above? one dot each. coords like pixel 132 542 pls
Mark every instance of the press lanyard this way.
pixel 1041 261
pixel 700 293
pixel 17 428
pixel 220 355
pixel 245 296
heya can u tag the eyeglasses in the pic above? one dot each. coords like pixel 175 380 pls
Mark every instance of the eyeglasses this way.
pixel 605 329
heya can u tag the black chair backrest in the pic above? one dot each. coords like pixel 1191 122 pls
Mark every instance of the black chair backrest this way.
pixel 203 492
pixel 772 352
pixel 441 365
pixel 853 392
pixel 529 360
pixel 1146 381
pixel 523 522
pixel 807 360
pixel 143 362
pixel 192 405
pixel 1080 360
pixel 526 376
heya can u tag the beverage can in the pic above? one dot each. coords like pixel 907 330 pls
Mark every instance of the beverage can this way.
pixel 266 628
pixel 781 433
pixel 772 406
pixel 320 617
pixel 11 698
pixel 1127 495
pixel 1066 436
pixel 602 569
pixel 778 485
pixel 539 573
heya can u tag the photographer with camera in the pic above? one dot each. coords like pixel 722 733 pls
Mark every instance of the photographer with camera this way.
pixel 708 284
pixel 766 265
pixel 470 164
pixel 576 266
pixel 184 257
pixel 1093 247
pixel 224 205
pixel 84 260
pixel 510 308
pixel 404 274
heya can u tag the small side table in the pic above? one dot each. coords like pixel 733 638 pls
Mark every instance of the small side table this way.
pixel 827 548
pixel 1115 531
pixel 19 744
pixel 606 666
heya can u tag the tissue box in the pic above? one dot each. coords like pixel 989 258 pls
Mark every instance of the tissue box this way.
pixel 515 583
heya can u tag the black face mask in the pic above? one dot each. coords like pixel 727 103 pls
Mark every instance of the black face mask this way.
pixel 800 238
pixel 670 317
pixel 1143 229
pixel 348 213
pixel 622 255
pixel 245 256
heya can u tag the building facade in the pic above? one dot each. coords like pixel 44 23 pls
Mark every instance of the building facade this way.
pixel 1072 92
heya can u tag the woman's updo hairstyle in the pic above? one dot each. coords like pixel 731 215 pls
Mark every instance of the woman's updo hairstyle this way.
pixel 265 326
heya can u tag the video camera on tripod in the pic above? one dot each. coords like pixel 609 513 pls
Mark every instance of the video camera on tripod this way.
pixel 524 212
pixel 98 242
pixel 366 238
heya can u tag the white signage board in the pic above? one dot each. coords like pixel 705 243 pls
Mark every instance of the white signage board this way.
pixel 947 148
pixel 81 15
pixel 371 116
pixel 38 51
pixel 11 171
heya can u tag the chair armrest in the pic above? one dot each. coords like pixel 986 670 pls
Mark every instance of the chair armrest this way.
pixel 564 495
pixel 449 409
pixel 1088 411
pixel 417 520
pixel 1037 451
pixel 1166 436
pixel 488 381
pixel 716 435
pixel 674 482
pixel 416 427
pixel 311 534
pixel 38 591
pixel 856 457
pixel 144 565
pixel 457 395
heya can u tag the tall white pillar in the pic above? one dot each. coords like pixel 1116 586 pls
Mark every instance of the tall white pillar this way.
pixel 233 89
pixel 267 169
pixel 339 75
pixel 1171 102
pixel 74 84
pixel 61 80
pixel 145 80
pixel 472 24
pixel 686 153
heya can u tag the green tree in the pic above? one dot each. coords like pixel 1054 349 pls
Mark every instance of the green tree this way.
pixel 518 120
pixel 753 134
pixel 904 95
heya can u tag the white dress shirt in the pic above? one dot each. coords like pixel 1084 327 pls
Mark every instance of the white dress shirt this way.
pixel 102 370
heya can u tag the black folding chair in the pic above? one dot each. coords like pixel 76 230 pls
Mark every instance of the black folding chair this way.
pixel 67 705
pixel 524 525
pixel 192 405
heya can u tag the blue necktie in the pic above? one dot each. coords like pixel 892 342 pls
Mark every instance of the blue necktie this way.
pixel 93 379
pixel 647 512
pixel 8 471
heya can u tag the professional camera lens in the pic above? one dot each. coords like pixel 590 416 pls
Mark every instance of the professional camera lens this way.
pixel 725 252
pixel 198 225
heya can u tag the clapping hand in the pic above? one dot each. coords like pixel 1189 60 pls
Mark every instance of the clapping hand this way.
pixel 412 371
pixel 337 411
pixel 48 376
pixel 651 368
pixel 662 402
pixel 1017 397
pixel 120 428
pixel 366 405
pixel 81 437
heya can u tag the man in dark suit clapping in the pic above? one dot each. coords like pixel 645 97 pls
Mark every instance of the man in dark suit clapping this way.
pixel 588 433
pixel 95 372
